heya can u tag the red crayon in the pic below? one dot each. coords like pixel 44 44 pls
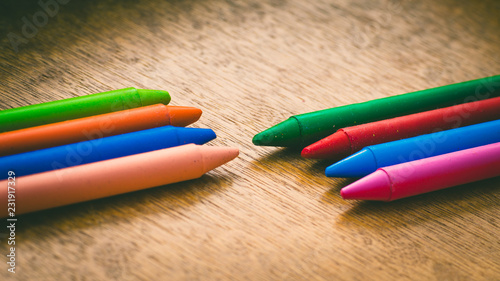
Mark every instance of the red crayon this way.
pixel 349 140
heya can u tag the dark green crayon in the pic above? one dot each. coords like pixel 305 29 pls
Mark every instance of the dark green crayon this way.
pixel 304 129
pixel 78 107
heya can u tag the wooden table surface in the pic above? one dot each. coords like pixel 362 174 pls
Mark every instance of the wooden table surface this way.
pixel 269 214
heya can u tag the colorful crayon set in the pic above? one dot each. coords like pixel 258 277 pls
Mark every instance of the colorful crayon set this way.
pixel 403 145
pixel 100 145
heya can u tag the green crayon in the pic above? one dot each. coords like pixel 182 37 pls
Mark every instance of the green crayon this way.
pixel 78 107
pixel 304 129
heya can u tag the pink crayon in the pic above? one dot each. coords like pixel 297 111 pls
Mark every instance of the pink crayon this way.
pixel 109 177
pixel 426 175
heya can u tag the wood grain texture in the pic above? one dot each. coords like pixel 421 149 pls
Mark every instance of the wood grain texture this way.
pixel 268 215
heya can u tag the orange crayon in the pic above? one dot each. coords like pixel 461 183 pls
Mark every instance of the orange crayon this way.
pixel 111 177
pixel 97 126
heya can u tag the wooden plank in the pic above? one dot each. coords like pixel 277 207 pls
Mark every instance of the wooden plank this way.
pixel 268 215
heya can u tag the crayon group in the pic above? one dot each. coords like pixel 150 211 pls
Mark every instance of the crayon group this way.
pixel 104 144
pixel 403 145
pixel 100 145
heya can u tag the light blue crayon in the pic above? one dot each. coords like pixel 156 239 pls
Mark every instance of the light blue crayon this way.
pixel 373 157
pixel 69 155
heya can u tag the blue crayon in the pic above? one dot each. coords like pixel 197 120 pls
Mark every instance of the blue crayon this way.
pixel 69 155
pixel 373 157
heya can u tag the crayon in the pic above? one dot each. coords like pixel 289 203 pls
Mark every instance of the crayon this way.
pixel 98 126
pixel 304 129
pixel 78 107
pixel 115 176
pixel 69 155
pixel 426 175
pixel 347 141
pixel 370 158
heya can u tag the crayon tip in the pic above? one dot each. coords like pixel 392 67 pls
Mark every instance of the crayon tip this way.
pixel 214 156
pixel 375 186
pixel 195 135
pixel 181 116
pixel 286 133
pixel 335 146
pixel 359 164
pixel 306 152
pixel 150 97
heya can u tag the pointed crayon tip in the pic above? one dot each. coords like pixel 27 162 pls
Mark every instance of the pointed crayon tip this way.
pixel 286 133
pixel 195 135
pixel 359 164
pixel 375 186
pixel 306 152
pixel 260 138
pixel 150 97
pixel 181 116
pixel 335 146
pixel 214 156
